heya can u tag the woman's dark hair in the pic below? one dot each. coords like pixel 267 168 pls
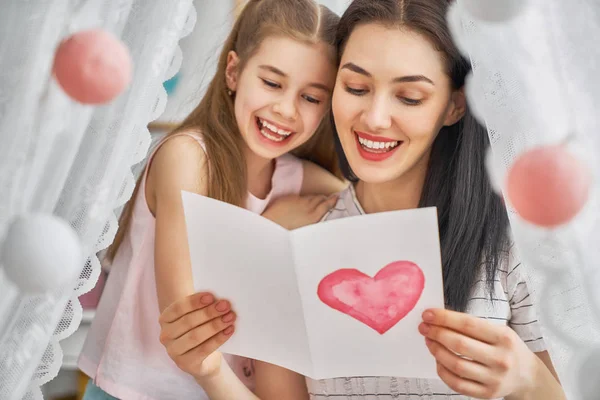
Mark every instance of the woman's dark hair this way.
pixel 472 219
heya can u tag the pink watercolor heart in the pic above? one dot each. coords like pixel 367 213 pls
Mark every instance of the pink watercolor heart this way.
pixel 379 302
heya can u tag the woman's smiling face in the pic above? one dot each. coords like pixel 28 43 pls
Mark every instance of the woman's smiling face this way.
pixel 392 96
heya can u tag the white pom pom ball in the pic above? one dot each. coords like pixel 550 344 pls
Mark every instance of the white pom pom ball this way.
pixel 495 11
pixel 495 172
pixel 41 253
pixel 589 365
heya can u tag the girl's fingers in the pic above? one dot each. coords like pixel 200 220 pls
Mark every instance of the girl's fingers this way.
pixel 201 335
pixel 315 201
pixel 199 353
pixel 186 305
pixel 324 206
pixel 459 366
pixel 461 385
pixel 461 344
pixel 191 320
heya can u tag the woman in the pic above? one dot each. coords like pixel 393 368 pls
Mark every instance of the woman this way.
pixel 408 140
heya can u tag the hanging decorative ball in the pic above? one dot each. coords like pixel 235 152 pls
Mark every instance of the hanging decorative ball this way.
pixel 92 67
pixel 589 366
pixel 475 97
pixel 41 253
pixel 495 172
pixel 548 185
pixel 454 18
pixel 496 11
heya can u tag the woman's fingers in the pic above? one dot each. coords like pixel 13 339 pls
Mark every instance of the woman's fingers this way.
pixel 461 385
pixel 466 324
pixel 459 366
pixel 461 344
pixel 203 336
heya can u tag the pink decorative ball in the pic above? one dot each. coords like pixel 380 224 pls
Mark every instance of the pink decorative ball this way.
pixel 92 67
pixel 548 186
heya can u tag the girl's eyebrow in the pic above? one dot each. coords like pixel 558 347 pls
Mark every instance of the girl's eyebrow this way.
pixel 279 72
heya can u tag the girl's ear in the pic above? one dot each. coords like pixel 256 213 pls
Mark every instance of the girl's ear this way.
pixel 457 107
pixel 231 70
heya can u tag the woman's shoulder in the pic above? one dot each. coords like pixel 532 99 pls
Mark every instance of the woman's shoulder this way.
pixel 347 205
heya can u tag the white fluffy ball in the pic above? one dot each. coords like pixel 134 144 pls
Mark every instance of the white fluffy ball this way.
pixel 496 173
pixel 588 387
pixel 41 253
pixel 495 11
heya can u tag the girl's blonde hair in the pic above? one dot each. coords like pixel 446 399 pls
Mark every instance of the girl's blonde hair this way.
pixel 214 117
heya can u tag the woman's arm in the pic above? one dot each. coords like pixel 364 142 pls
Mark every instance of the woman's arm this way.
pixel 487 361
pixel 545 383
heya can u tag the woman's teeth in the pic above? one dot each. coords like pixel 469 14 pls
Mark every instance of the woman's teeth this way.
pixel 379 147
pixel 271 132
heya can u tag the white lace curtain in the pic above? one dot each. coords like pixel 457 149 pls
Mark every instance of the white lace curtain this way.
pixel 536 82
pixel 73 161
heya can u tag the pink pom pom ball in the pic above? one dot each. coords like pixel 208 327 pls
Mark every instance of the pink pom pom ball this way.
pixel 92 67
pixel 548 186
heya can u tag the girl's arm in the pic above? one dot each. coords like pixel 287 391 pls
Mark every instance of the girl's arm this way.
pixel 317 197
pixel 275 382
pixel 319 181
pixel 179 164
pixel 192 330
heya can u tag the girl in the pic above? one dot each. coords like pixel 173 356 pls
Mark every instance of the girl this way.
pixel 269 96
pixel 407 140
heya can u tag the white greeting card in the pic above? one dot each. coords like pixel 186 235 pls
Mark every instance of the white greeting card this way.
pixel 338 298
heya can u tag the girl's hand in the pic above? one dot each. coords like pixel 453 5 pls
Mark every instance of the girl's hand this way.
pixel 192 329
pixel 495 362
pixel 295 211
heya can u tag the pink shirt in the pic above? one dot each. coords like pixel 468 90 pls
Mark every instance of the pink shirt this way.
pixel 122 352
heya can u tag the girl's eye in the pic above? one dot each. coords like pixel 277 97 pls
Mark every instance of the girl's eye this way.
pixel 271 84
pixel 311 100
pixel 356 92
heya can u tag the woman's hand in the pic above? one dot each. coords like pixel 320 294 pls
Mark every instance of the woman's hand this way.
pixel 193 328
pixel 495 362
pixel 295 211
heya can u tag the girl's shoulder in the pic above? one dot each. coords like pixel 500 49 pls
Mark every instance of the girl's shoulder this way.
pixel 178 163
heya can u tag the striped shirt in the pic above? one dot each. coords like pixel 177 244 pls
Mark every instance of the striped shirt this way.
pixel 511 305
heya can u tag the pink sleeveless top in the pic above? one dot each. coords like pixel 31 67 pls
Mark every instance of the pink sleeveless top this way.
pixel 122 352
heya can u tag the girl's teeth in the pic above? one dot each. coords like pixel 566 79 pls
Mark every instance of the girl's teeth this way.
pixel 273 128
pixel 270 137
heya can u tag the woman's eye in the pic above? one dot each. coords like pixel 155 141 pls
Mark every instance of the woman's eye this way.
pixel 355 92
pixel 410 102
